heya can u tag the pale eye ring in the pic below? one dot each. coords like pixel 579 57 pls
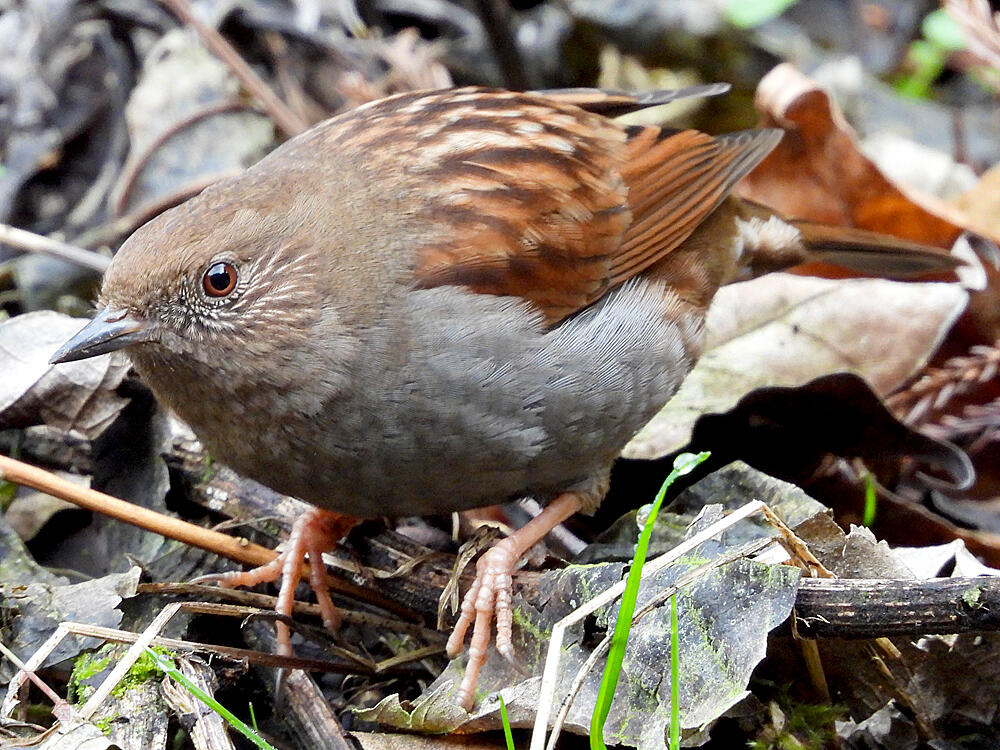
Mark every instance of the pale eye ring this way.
pixel 220 279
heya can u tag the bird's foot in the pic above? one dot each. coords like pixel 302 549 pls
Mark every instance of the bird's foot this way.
pixel 491 595
pixel 313 533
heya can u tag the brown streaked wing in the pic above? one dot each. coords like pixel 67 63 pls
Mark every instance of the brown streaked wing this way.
pixel 675 180
pixel 532 205
pixel 539 199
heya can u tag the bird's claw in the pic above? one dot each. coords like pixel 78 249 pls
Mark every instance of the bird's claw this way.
pixel 490 597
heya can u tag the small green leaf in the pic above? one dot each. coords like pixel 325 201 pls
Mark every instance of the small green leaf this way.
pixel 943 31
pixel 748 14
pixel 926 61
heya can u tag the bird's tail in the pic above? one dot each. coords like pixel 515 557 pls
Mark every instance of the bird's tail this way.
pixel 771 243
pixel 871 252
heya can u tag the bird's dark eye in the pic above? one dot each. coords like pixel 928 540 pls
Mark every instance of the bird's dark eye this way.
pixel 219 280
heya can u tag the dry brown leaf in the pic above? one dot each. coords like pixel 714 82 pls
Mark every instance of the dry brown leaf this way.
pixel 982 203
pixel 785 330
pixel 818 172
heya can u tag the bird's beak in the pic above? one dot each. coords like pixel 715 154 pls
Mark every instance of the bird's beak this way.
pixel 109 331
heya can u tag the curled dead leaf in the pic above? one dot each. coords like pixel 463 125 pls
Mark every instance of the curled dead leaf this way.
pixel 818 172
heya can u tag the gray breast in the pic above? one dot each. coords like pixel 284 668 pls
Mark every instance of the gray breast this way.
pixel 465 400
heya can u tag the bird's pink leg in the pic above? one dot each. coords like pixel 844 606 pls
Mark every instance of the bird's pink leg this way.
pixel 491 594
pixel 313 533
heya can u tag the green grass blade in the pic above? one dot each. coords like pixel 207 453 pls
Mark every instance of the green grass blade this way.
pixel 506 724
pixel 167 668
pixel 683 464
pixel 871 501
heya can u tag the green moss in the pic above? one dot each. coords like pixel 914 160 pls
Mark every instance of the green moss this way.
pixel 207 468
pixel 525 625
pixel 973 598
pixel 799 726
pixel 141 672
pixel 85 667
pixel 104 725
pixel 691 560
pixel 584 583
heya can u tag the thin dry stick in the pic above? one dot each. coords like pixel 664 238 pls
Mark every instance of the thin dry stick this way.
pixel 797 549
pixel 418 654
pixel 267 603
pixel 239 550
pixel 353 665
pixel 61 709
pixel 800 552
pixel 234 548
pixel 807 561
pixel 135 166
pixel 32 665
pixel 287 120
pixel 814 666
pixel 37 243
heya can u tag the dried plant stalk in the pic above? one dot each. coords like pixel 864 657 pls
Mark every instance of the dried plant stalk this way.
pixel 981 27
pixel 976 427
pixel 932 392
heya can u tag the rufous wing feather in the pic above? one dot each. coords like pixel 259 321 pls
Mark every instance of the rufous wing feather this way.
pixel 559 210
pixel 675 180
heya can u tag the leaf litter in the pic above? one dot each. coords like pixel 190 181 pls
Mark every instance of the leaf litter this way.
pixel 772 343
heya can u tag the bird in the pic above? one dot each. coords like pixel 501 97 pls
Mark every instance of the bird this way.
pixel 449 299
